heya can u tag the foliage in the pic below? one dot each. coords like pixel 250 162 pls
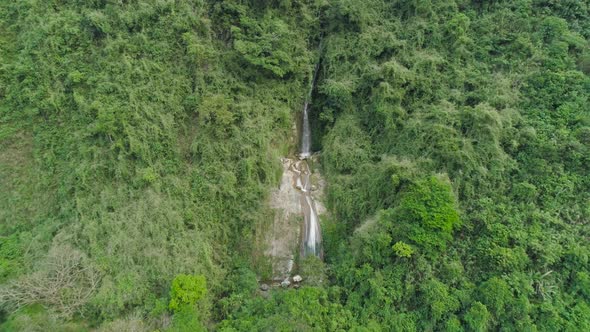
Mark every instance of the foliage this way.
pixel 36 318
pixel 142 137
pixel 426 215
pixel 314 271
pixel 305 309
pixel 270 44
pixel 64 282
pixel 490 95
pixel 10 256
pixel 187 290
pixel 186 319
pixel 477 317
pixel 402 249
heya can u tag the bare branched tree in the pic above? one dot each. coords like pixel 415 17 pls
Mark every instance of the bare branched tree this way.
pixel 63 282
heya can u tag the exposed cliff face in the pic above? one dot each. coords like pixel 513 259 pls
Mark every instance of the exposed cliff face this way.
pixel 283 236
pixel 282 240
pixel 296 226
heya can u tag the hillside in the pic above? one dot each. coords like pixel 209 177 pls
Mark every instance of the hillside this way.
pixel 140 142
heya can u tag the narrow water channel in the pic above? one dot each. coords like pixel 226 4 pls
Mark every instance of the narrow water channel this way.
pixel 311 235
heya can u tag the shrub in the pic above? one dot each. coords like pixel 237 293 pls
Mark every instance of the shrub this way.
pixel 426 216
pixel 187 289
pixel 402 249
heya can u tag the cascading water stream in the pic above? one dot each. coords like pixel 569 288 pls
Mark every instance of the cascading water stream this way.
pixel 295 196
pixel 305 151
pixel 305 134
pixel 311 235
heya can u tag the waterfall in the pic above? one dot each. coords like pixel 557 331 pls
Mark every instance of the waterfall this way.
pixel 305 134
pixel 305 151
pixel 311 234
pixel 313 239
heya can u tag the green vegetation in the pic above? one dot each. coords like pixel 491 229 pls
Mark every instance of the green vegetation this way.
pixel 139 140
pixel 187 290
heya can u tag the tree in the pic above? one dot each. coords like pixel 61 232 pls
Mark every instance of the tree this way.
pixel 495 294
pixel 187 290
pixel 402 249
pixel 435 295
pixel 477 317
pixel 64 281
pixel 426 215
pixel 270 44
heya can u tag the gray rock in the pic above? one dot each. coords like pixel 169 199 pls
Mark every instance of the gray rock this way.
pixel 264 287
pixel 285 283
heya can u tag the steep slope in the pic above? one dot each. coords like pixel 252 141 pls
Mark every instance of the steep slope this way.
pixel 454 144
pixel 140 141
pixel 147 135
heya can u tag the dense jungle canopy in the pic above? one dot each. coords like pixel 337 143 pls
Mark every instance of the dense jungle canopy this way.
pixel 139 141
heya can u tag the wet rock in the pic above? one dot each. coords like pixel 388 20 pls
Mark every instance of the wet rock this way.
pixel 264 287
pixel 297 278
pixel 283 235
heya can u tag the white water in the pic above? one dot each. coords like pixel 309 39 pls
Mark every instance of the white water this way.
pixel 311 228
pixel 311 235
pixel 313 240
pixel 305 134
pixel 305 151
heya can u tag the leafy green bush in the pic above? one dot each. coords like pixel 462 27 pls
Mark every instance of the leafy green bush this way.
pixel 402 249
pixel 426 215
pixel 10 256
pixel 269 43
pixel 187 290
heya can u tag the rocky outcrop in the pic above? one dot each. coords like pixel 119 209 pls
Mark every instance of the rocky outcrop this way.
pixel 282 239
pixel 283 236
